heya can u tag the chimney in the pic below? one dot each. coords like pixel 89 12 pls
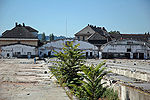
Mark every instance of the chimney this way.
pixel 19 25
pixel 23 24
pixel 16 24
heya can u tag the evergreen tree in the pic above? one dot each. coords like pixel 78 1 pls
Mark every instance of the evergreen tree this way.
pixel 67 68
pixel 51 37
pixel 43 37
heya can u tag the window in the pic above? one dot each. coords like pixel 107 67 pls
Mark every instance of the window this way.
pixel 7 54
pixel 40 53
pixel 83 38
pixel 129 42
pixel 129 50
pixel 17 54
pixel 78 37
pixel 86 54
pixel 28 53
pixel 90 54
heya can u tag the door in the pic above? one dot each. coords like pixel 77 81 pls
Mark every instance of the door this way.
pixel 141 55
pixel 7 54
pixel 86 54
pixel 127 55
pixel 91 54
pixel 29 55
pixel 135 55
pixel 49 53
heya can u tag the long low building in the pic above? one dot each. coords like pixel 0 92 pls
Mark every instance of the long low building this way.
pixel 47 50
pixel 130 49
pixel 18 50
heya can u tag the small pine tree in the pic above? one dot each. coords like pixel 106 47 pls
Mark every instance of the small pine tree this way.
pixel 92 87
pixel 68 66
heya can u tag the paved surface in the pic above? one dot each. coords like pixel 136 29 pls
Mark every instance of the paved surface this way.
pixel 20 79
pixel 130 64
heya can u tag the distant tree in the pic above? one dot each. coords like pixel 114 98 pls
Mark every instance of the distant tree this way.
pixel 43 37
pixel 114 32
pixel 51 37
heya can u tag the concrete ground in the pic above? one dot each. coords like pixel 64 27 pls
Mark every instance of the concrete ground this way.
pixel 20 79
pixel 134 64
pixel 131 73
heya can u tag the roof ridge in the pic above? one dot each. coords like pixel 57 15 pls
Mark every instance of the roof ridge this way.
pixel 82 29
pixel 97 36
pixel 18 32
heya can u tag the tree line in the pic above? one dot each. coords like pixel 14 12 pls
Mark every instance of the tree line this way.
pixel 51 37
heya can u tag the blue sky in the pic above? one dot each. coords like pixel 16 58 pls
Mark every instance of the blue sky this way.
pixel 49 16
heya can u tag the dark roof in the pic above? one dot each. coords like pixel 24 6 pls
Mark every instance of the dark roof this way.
pixel 30 29
pixel 19 32
pixel 139 37
pixel 97 36
pixel 84 33
pixel 115 36
pixel 98 29
pixel 101 30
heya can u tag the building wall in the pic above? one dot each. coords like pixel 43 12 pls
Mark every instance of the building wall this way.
pixel 133 48
pixel 58 45
pixel 123 48
pixel 11 50
pixel 87 30
pixel 12 41
pixel 82 38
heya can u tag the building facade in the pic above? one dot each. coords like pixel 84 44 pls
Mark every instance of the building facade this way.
pixel 94 35
pixel 130 49
pixel 20 34
pixel 20 41
pixel 18 50
pixel 47 50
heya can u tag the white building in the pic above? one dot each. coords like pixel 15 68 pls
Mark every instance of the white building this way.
pixel 126 49
pixel 18 50
pixel 47 49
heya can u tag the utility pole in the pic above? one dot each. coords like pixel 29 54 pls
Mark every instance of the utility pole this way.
pixel 66 27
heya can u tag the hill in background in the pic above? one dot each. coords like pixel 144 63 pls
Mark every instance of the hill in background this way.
pixel 47 37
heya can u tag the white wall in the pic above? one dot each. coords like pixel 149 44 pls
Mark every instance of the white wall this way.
pixel 58 45
pixel 122 46
pixel 23 49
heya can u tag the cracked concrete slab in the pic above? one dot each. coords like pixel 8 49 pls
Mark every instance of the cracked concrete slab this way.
pixel 20 79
